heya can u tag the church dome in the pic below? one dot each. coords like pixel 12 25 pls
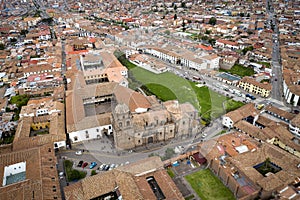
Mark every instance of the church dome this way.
pixel 121 109
pixel 174 108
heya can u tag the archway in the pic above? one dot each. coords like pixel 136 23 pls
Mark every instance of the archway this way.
pixel 150 140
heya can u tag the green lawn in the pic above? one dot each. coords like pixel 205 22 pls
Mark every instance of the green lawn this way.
pixel 240 70
pixel 208 186
pixel 170 172
pixel 168 86
pixel 180 87
pixel 266 64
pixel 19 100
pixel 162 92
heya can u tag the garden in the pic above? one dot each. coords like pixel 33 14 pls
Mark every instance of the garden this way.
pixel 208 186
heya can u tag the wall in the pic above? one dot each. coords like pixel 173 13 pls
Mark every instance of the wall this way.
pixel 13 169
pixel 92 133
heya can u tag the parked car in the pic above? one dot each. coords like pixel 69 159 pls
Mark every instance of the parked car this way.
pixel 78 153
pixel 80 163
pixel 93 164
pixel 106 167
pixel 101 167
pixel 84 165
pixel 204 135
pixel 112 166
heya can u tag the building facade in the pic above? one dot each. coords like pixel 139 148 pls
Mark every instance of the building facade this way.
pixel 251 85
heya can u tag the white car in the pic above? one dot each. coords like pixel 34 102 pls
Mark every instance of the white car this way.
pixel 78 153
pixel 204 135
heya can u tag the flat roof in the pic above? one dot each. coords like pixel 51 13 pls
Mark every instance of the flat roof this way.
pixel 229 77
pixel 15 178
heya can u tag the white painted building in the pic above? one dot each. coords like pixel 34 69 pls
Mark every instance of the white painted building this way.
pixel 290 96
pixel 91 133
pixel 196 63
pixel 163 54
pixel 294 126
pixel 227 122
pixel 12 170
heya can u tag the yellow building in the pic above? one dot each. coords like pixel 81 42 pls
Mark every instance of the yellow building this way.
pixel 251 85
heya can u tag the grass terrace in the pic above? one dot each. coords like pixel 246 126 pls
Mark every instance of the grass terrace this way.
pixel 168 86
pixel 208 186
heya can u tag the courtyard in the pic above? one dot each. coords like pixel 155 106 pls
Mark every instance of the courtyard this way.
pixel 208 186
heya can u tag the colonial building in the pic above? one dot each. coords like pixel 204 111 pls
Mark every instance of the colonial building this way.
pixel 251 85
pixel 41 122
pixel 146 179
pixel 99 67
pixel 132 118
pixel 294 126
pixel 291 87
pixel 171 120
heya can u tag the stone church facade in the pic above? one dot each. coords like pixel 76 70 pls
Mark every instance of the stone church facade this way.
pixel 168 121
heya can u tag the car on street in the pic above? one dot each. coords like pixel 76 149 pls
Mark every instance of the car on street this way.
pixel 93 164
pixel 80 163
pixel 84 165
pixel 106 167
pixel 101 167
pixel 204 135
pixel 112 166
pixel 78 153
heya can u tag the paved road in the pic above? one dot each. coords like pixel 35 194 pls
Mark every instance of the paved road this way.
pixel 277 79
pixel 103 151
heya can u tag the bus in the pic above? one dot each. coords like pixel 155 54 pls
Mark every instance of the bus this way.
pixel 196 78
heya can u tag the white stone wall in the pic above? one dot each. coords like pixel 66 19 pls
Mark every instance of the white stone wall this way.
pixel 13 169
pixel 91 133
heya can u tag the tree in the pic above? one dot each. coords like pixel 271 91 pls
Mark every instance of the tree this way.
pixel 212 21
pixel 2 46
pixel 175 7
pixel 13 40
pixel 212 41
pixel 183 26
pixel 24 32
pixel 93 172
pixel 246 49
pixel 207 32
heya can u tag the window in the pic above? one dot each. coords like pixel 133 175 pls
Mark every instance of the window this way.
pixel 86 132
pixel 128 123
pixel 97 130
pixel 109 127
pixel 129 138
pixel 87 135
pixel 139 141
pixel 75 138
pixel 171 131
